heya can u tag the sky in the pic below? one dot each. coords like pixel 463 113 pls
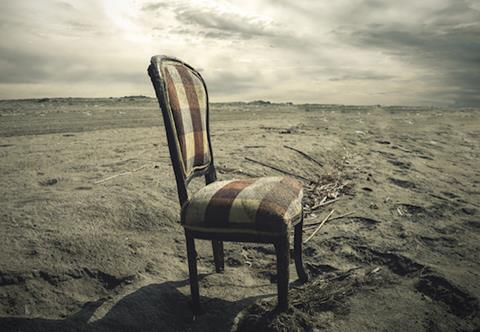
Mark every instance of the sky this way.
pixel 360 52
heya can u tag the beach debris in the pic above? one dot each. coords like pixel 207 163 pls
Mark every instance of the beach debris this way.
pixel 324 294
pixel 375 270
pixel 327 190
pixel 307 156
pixel 286 131
pixel 254 146
pixel 121 174
pixel 336 217
pixel 279 170
pixel 324 202
pixel 319 226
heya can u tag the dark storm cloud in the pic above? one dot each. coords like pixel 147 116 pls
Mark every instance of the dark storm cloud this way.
pixel 454 54
pixel 229 82
pixel 222 25
pixel 448 46
pixel 361 75
pixel 23 66
pixel 17 67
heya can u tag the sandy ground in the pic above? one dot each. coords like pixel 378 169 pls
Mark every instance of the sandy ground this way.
pixel 78 254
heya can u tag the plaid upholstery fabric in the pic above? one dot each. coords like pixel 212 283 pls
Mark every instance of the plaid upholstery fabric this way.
pixel 187 99
pixel 258 205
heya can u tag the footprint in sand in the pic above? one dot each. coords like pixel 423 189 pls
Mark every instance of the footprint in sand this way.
pixel 397 263
pixel 410 209
pixel 403 165
pixel 402 183
pixel 460 302
pixel 443 241
pixel 472 224
pixel 368 222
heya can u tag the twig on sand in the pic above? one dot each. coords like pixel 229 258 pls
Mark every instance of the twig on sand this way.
pixel 304 154
pixel 121 174
pixel 254 146
pixel 280 170
pixel 337 217
pixel 323 203
pixel 319 226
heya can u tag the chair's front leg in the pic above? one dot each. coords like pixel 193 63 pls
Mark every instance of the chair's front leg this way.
pixel 282 250
pixel 217 247
pixel 297 251
pixel 193 275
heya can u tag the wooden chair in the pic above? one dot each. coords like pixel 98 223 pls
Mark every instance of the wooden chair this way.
pixel 259 210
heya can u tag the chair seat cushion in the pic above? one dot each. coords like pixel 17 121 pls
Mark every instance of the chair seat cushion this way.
pixel 255 205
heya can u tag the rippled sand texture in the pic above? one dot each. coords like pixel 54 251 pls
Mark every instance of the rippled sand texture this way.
pixel 89 210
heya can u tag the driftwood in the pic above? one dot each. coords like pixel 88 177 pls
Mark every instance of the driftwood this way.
pixel 337 217
pixel 319 226
pixel 121 174
pixel 305 155
pixel 279 170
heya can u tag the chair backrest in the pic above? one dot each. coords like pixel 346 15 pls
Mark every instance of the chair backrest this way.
pixel 183 99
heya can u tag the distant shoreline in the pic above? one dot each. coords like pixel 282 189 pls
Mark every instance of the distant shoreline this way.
pixel 254 102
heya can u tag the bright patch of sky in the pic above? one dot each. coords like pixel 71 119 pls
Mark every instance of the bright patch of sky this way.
pixel 346 52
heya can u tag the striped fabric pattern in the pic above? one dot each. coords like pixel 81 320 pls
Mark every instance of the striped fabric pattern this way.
pixel 255 205
pixel 188 103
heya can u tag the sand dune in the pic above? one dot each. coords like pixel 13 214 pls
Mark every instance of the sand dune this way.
pixel 81 249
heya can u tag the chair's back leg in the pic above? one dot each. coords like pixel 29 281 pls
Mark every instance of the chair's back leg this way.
pixel 297 252
pixel 282 250
pixel 217 247
pixel 193 275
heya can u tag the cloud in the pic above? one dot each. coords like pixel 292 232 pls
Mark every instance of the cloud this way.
pixel 446 48
pixel 350 52
pixel 359 75
pixel 223 25
pixel 227 82
pixel 154 6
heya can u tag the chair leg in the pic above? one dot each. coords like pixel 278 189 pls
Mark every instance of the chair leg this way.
pixel 193 275
pixel 297 251
pixel 282 250
pixel 217 247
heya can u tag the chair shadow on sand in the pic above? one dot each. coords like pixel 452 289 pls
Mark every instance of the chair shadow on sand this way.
pixel 156 307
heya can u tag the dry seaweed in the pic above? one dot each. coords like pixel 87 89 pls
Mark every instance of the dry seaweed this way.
pixel 307 301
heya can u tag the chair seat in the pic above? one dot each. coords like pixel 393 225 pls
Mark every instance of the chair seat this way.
pixel 254 205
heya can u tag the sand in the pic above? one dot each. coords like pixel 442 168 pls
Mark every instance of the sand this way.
pixel 79 253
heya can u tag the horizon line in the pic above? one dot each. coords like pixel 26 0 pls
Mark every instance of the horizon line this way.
pixel 256 101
